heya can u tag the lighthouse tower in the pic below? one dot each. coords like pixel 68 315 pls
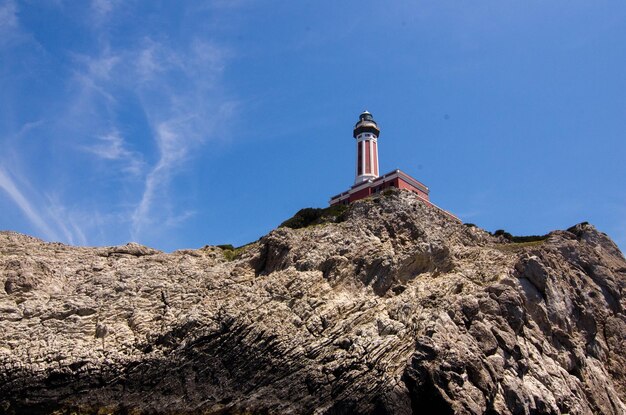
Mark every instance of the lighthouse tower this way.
pixel 366 133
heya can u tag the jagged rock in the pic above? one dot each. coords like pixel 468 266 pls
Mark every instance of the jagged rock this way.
pixel 396 309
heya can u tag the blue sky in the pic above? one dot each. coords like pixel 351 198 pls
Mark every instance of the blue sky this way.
pixel 180 124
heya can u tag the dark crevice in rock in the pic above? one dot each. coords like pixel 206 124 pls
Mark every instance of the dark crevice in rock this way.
pixel 425 397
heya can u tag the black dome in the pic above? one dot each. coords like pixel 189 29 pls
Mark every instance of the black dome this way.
pixel 366 124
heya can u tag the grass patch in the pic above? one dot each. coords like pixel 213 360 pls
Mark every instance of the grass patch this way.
pixel 231 253
pixel 516 246
pixel 314 216
pixel 518 242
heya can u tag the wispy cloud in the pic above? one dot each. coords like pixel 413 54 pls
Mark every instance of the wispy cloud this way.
pixel 29 127
pixel 112 147
pixel 182 102
pixel 102 7
pixel 170 154
pixel 173 150
pixel 102 10
pixel 12 32
pixel 65 221
pixel 186 83
pixel 49 217
pixel 27 208
pixel 8 18
pixel 148 63
pixel 91 80
pixel 141 109
pixel 9 24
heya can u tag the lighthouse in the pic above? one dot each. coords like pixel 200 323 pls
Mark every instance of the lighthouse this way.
pixel 366 133
pixel 367 180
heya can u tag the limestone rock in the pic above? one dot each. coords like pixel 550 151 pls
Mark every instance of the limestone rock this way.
pixel 395 309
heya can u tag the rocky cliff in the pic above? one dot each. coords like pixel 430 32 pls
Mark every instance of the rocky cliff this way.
pixel 392 308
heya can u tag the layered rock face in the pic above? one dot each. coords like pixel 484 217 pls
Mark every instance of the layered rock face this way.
pixel 393 309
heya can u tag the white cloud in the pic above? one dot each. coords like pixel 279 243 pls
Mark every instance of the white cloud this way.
pixel 175 140
pixel 28 127
pixel 112 147
pixel 147 63
pixel 65 221
pixel 172 150
pixel 93 80
pixel 50 218
pixel 177 220
pixel 103 8
pixel 102 67
pixel 9 186
pixel 8 15
pixel 13 34
pixel 9 24
pixel 186 86
pixel 201 64
pixel 118 123
pixel 174 99
pixel 180 96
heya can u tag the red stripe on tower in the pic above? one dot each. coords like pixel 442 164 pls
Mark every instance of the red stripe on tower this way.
pixel 375 144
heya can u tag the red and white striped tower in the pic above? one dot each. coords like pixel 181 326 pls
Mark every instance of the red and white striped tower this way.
pixel 366 133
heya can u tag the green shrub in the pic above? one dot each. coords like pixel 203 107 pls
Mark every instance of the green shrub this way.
pixel 231 253
pixel 504 234
pixel 529 238
pixel 313 216
pixel 519 239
